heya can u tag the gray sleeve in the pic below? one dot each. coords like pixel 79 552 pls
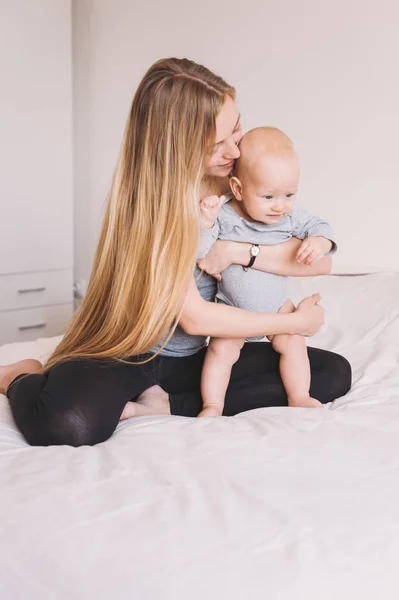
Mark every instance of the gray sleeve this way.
pixel 305 225
pixel 207 238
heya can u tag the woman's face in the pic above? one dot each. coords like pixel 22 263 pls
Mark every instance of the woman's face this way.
pixel 228 135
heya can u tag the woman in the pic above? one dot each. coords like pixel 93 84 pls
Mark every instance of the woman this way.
pixel 180 144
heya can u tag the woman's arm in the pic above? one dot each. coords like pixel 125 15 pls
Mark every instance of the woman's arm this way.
pixel 200 317
pixel 279 259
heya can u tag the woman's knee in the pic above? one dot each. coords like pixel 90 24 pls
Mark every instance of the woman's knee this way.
pixel 335 377
pixel 44 426
pixel 64 428
pixel 342 375
pixel 71 427
pixel 46 418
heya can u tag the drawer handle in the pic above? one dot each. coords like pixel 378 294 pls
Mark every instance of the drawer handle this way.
pixel 26 327
pixel 27 291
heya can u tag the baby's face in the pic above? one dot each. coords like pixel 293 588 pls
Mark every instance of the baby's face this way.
pixel 269 188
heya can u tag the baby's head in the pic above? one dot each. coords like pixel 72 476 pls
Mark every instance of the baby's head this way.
pixel 266 176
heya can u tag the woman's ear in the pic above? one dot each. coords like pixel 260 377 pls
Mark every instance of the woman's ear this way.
pixel 236 187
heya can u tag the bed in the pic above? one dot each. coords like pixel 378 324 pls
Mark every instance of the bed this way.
pixel 277 503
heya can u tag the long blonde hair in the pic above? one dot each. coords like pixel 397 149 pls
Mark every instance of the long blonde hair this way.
pixel 149 239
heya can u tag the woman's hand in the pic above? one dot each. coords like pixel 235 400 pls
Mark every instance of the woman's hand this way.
pixel 219 257
pixel 312 314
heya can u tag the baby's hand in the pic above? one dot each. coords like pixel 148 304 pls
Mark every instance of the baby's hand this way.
pixel 313 249
pixel 210 208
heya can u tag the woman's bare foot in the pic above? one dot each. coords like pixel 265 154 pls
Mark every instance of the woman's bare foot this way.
pixel 9 372
pixel 154 401
pixel 210 411
pixel 304 402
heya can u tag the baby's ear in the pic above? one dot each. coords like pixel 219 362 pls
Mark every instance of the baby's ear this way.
pixel 236 187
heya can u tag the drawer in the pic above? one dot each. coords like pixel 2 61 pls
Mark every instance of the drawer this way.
pixel 25 290
pixel 30 324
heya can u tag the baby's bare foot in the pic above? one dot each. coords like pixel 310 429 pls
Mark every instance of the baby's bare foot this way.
pixel 9 372
pixel 307 303
pixel 287 307
pixel 211 411
pixel 304 402
pixel 154 401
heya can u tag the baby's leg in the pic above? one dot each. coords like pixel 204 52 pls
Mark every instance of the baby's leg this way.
pixel 220 357
pixel 294 365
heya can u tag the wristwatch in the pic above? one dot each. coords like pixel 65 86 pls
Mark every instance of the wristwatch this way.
pixel 254 251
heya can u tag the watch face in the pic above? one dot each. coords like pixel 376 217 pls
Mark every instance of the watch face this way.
pixel 254 250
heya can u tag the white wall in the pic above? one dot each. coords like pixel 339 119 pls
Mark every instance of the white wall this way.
pixel 35 136
pixel 324 72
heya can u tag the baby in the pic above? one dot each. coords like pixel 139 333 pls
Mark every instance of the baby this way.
pixel 261 210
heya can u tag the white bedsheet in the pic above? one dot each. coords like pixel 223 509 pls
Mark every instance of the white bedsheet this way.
pixel 272 504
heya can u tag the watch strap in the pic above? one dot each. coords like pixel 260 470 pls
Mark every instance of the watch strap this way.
pixel 252 259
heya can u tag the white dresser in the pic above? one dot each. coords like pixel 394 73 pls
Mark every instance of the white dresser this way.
pixel 36 184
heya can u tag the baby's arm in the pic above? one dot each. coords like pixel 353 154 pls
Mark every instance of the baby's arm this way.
pixel 316 234
pixel 210 208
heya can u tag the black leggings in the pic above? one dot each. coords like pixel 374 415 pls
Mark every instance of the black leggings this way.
pixel 80 401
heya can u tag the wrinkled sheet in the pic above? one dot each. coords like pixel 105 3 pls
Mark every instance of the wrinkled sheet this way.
pixel 277 503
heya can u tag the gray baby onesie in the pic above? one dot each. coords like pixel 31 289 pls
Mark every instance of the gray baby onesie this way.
pixel 255 290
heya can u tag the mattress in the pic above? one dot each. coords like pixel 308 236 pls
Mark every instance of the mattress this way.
pixel 276 503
